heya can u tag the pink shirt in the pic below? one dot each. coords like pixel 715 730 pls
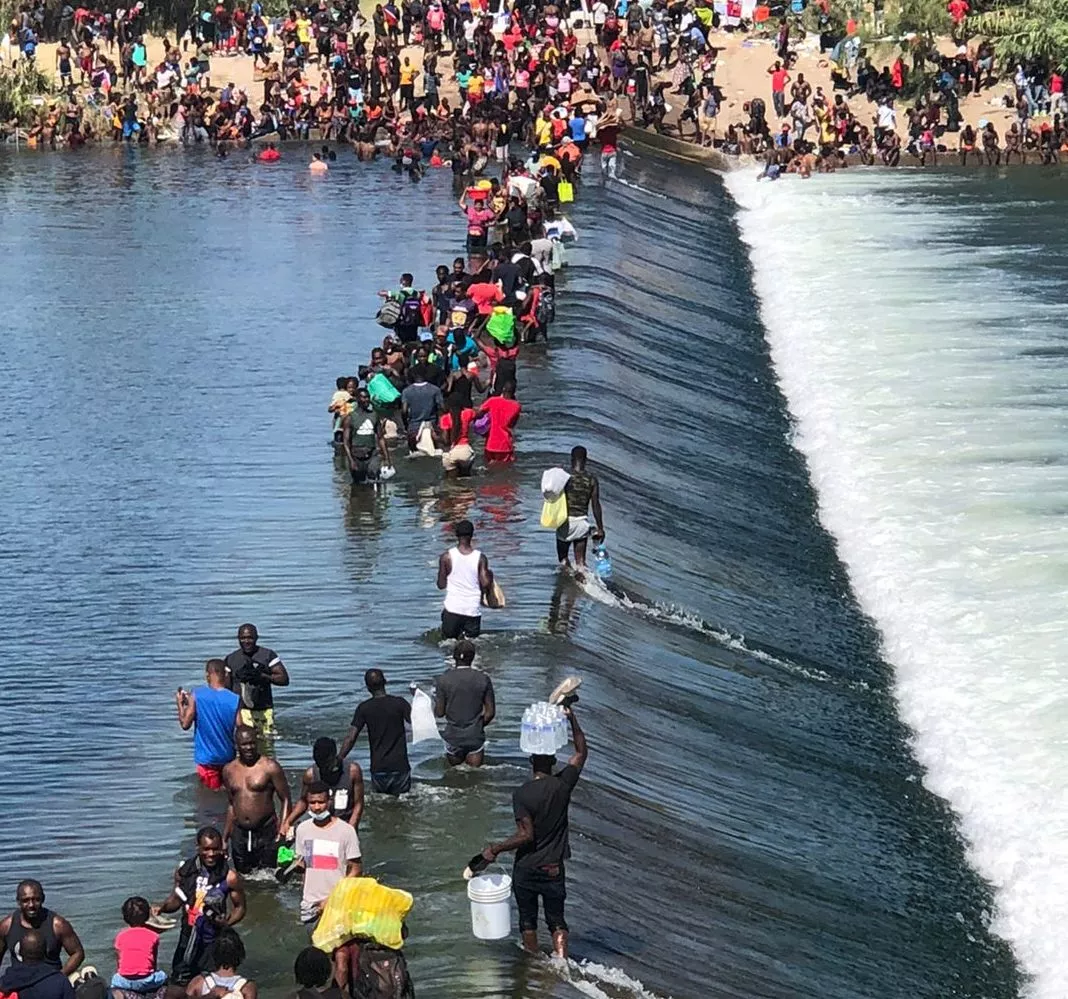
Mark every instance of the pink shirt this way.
pixel 136 949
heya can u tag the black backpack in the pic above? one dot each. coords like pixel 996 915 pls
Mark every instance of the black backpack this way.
pixel 382 973
pixel 411 312
pixel 91 986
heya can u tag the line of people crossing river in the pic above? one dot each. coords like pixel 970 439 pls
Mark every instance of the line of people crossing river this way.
pixel 445 376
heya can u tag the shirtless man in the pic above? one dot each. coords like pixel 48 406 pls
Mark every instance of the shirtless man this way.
pixel 64 68
pixel 31 915
pixel 253 782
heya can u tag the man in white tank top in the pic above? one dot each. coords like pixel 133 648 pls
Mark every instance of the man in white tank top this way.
pixel 464 574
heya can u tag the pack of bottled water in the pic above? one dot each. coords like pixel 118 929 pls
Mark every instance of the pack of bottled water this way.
pixel 544 729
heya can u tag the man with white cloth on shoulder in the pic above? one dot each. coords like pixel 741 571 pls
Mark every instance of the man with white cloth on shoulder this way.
pixel 464 574
pixel 581 492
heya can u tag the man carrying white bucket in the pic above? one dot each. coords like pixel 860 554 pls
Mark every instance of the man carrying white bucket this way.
pixel 541 842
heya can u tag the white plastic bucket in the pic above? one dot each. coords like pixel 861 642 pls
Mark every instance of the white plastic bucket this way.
pixel 491 908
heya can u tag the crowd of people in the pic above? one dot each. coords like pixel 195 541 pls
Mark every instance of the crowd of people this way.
pixel 445 375
pixel 453 82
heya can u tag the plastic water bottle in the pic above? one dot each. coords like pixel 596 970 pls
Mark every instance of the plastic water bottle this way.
pixel 543 729
pixel 602 563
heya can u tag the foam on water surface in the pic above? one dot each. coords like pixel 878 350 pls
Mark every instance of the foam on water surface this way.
pixel 913 353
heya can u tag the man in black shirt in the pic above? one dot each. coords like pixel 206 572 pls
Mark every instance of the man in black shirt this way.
pixel 385 716
pixel 541 842
pixel 250 671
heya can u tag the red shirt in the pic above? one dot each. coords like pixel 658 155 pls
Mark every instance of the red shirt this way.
pixel 1056 84
pixel 485 296
pixel 466 416
pixel 778 80
pixel 136 949
pixel 957 9
pixel 608 136
pixel 503 414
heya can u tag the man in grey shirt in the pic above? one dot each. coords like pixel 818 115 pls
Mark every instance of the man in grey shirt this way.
pixel 464 699
pixel 422 404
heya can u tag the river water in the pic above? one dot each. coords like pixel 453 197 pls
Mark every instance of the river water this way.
pixel 752 822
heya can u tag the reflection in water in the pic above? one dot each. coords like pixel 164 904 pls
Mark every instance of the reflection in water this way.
pixel 727 818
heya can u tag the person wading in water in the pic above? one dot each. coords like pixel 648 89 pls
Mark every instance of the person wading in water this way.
pixel 253 782
pixel 464 574
pixel 210 894
pixel 57 933
pixel 541 842
pixel 582 492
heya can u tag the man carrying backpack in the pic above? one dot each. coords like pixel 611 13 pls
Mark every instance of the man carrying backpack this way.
pixel 410 316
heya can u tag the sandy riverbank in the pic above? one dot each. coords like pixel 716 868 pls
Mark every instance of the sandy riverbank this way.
pixel 741 74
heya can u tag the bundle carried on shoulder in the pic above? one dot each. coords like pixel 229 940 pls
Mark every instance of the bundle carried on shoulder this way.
pixel 382 391
pixel 390 313
pixel 501 325
pixel 361 907
pixel 554 509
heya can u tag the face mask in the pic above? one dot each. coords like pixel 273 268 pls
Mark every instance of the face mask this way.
pixel 320 817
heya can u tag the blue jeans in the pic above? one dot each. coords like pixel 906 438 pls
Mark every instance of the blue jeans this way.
pixel 150 983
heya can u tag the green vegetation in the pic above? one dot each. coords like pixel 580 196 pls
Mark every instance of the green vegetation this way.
pixel 19 87
pixel 1026 30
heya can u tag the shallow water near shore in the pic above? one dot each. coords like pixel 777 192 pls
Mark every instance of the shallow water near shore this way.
pixel 751 822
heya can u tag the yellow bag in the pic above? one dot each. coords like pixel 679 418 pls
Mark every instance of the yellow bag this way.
pixel 554 512
pixel 361 907
pixel 565 191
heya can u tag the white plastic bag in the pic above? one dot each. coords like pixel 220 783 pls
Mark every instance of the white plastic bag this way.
pixel 424 724
pixel 553 482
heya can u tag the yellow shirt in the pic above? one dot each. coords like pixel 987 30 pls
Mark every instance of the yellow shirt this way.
pixel 304 30
pixel 477 84
pixel 543 132
pixel 407 75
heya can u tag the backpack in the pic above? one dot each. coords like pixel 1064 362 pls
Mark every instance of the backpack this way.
pixel 411 311
pixel 234 993
pixel 92 986
pixel 381 973
pixel 389 314
pixel 545 310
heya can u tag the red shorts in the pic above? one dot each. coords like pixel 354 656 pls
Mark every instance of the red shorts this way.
pixel 210 776
pixel 502 456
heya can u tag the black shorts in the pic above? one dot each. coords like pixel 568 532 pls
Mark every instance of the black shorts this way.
pixel 459 626
pixel 547 883
pixel 192 957
pixel 255 849
pixel 394 782
pixel 366 469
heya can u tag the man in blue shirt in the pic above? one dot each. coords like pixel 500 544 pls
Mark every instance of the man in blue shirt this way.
pixel 212 709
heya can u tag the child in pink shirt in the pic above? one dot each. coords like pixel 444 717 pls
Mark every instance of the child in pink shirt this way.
pixel 136 949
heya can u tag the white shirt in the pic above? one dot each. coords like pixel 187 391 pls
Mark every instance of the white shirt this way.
pixel 886 116
pixel 463 594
